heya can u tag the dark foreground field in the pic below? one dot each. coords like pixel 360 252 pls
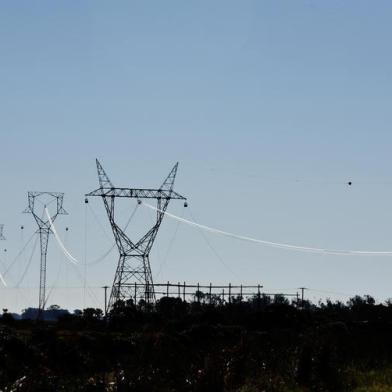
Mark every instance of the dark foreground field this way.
pixel 261 345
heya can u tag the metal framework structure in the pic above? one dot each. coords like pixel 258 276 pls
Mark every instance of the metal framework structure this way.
pixel 134 264
pixel 2 238
pixel 210 293
pixel 44 199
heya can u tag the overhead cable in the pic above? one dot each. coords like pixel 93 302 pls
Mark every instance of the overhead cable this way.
pixel 279 245
pixel 2 280
pixel 67 254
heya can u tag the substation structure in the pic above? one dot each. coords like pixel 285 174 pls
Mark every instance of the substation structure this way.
pixel 133 279
pixel 37 206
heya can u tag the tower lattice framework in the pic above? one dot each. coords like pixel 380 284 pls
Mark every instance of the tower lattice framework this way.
pixel 37 204
pixel 133 278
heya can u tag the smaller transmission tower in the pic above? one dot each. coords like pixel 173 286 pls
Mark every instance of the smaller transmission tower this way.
pixel 133 278
pixel 2 238
pixel 44 199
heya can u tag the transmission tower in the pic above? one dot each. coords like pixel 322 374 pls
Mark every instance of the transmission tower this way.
pixel 2 238
pixel 133 278
pixel 44 199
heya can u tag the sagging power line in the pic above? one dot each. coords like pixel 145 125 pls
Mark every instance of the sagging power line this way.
pixel 270 243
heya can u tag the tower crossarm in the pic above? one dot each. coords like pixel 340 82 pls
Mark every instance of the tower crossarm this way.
pixel 137 193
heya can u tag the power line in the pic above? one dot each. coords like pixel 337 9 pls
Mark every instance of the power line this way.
pixel 297 248
pixel 28 264
pixel 214 251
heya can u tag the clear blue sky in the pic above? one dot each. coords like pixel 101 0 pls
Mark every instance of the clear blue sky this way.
pixel 270 107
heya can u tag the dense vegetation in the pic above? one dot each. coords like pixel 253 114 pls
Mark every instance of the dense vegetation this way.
pixel 265 344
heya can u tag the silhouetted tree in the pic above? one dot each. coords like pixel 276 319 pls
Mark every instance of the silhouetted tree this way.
pixel 199 296
pixel 357 301
pixel 173 307
pixel 280 299
pixel 92 314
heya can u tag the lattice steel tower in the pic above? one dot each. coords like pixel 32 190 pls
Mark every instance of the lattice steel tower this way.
pixel 2 238
pixel 45 199
pixel 133 278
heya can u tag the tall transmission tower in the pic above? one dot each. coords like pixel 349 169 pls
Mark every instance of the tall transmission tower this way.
pixel 133 278
pixel 2 238
pixel 44 199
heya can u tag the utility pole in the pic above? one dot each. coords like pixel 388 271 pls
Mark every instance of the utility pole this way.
pixel 302 295
pixel 43 222
pixel 133 269
pixel 106 306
